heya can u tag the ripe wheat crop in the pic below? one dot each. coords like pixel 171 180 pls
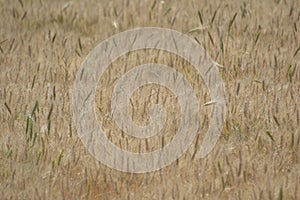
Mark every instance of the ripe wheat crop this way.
pixel 257 47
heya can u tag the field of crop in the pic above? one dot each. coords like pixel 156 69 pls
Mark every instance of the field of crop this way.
pixel 257 46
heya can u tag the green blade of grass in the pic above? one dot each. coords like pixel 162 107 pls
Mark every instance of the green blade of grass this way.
pixel 175 43
pixel 270 135
pixel 221 44
pixel 77 52
pixel 61 155
pixel 231 22
pixel 33 140
pixel 3 41
pixel 53 38
pixel 210 38
pixel 200 17
pixel 281 194
pixel 214 16
pixel 33 82
pixel 296 51
pixel 169 9
pixel 7 107
pixel 34 108
pixel 30 132
pixel 256 38
pixel 49 127
pixel 50 112
pixel 27 125
pixel 153 5
pixel 21 3
pixel 197 40
pixel 80 45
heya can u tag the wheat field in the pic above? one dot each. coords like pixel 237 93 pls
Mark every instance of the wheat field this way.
pixel 257 47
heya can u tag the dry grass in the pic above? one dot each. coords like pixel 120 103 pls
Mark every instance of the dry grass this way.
pixel 42 45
